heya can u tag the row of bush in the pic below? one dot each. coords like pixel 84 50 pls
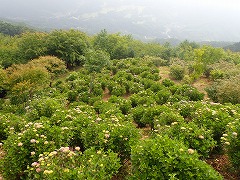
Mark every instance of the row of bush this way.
pixel 67 132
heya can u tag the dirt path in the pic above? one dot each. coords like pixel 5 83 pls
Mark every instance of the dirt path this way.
pixel 164 72
pixel 200 84
pixel 1 156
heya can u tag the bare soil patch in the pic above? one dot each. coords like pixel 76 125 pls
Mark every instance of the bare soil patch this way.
pixel 221 164
pixel 201 84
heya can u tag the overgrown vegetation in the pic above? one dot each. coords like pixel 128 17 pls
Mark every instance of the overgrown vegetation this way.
pixel 75 107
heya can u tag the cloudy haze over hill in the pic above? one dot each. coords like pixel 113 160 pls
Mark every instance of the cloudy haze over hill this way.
pixel 200 20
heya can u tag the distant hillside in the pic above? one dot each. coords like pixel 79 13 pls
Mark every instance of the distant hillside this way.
pixel 13 29
pixel 234 47
pixel 220 44
pixel 171 41
pixel 176 42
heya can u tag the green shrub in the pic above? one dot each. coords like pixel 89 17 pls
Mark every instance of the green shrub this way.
pixel 143 98
pixel 111 133
pixel 212 92
pixel 155 87
pixel 163 158
pixel 72 95
pixel 194 137
pixel 177 98
pixel 167 82
pixel 231 140
pixel 68 164
pixel 166 118
pixel 187 108
pixel 137 114
pixel 123 104
pixel 162 96
pixel 116 89
pixel 216 74
pixel 136 70
pixel 43 107
pixel 135 87
pixel 147 83
pixel 74 75
pixel 225 90
pixel 22 149
pixel 214 117
pixel 151 113
pixel 154 76
pixel 102 107
pixel 97 89
pixel 157 61
pixel 190 92
pixel 10 123
pixel 177 72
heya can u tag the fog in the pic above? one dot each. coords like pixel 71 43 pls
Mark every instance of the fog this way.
pixel 182 19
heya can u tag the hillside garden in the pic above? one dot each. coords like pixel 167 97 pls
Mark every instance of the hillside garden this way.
pixel 75 106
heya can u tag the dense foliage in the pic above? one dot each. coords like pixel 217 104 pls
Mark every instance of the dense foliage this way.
pixel 79 107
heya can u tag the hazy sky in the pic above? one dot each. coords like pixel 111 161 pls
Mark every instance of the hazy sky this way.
pixel 221 7
pixel 215 14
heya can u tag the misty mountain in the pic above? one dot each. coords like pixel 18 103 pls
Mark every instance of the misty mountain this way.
pixel 164 19
pixel 234 47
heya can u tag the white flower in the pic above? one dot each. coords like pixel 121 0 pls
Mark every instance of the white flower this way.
pixel 20 144
pixel 227 143
pixel 52 153
pixel 201 137
pixel 190 151
pixel 71 154
pixel 214 112
pixel 64 149
pixel 77 148
pixel 174 123
pixel 234 134
pixel 41 159
pixel 48 172
pixel 34 164
pixel 107 135
pixel 225 135
pixel 32 153
pixel 32 140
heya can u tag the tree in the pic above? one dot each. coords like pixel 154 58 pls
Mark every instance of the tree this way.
pixel 119 47
pixel 9 51
pixel 95 62
pixel 70 46
pixel 3 78
pixel 32 45
pixel 185 50
pixel 54 65
pixel 203 57
pixel 24 80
